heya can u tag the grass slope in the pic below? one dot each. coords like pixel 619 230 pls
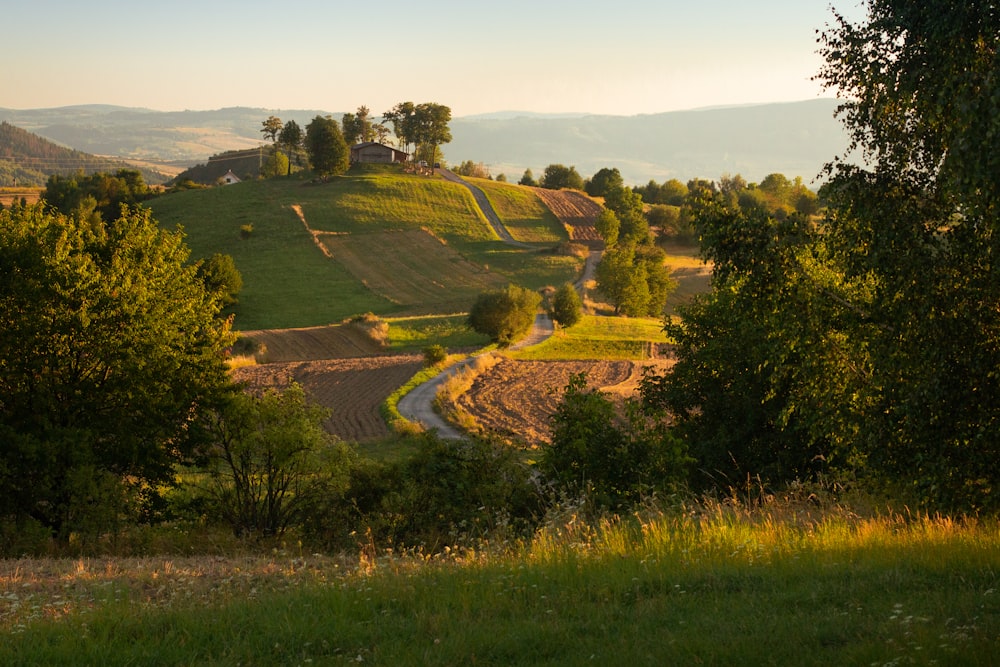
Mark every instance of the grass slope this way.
pixel 289 282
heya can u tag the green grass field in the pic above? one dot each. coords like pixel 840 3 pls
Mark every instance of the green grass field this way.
pixel 715 585
pixel 600 337
pixel 289 282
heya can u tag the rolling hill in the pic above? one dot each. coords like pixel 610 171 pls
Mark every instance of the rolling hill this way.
pixel 376 240
pixel 27 159
pixel 795 139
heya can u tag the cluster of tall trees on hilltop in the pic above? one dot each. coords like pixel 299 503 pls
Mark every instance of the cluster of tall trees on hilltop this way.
pixel 867 341
pixel 327 143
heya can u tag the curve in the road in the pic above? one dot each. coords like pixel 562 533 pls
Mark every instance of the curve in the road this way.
pixel 418 404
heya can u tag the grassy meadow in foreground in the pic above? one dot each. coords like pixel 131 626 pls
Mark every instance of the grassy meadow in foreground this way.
pixel 716 586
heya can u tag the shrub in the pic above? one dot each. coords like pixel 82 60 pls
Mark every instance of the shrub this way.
pixel 614 459
pixel 567 308
pixel 434 355
pixel 504 315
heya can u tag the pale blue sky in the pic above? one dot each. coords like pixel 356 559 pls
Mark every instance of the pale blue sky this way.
pixel 619 57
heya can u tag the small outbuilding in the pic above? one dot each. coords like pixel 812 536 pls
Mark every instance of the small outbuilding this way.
pixel 372 151
pixel 229 178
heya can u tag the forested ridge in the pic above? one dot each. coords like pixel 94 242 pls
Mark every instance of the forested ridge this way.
pixel 28 159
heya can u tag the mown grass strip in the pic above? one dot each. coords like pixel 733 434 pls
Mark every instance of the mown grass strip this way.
pixel 599 337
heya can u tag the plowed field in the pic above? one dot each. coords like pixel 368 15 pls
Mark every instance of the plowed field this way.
pixel 517 398
pixel 575 210
pixel 353 389
pixel 330 342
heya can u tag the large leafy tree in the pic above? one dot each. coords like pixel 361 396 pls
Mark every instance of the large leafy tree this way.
pixel 872 336
pixel 431 129
pixel 328 152
pixel 505 314
pixel 358 126
pixel 558 176
pixel 920 224
pixel 110 345
pixel 401 117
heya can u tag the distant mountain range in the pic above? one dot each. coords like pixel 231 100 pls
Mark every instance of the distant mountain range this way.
pixel 795 139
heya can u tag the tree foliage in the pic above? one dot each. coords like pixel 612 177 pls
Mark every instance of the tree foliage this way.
pixel 109 345
pixel 269 458
pixel 221 278
pixel 920 225
pixel 635 279
pixel 328 152
pixel 558 176
pixel 869 339
pixel 567 307
pixel 504 315
pixel 99 193
pixel 617 459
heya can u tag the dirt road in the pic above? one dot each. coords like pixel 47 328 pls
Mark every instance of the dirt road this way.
pixel 418 405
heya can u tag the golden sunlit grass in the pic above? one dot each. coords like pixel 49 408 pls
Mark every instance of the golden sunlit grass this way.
pixel 714 582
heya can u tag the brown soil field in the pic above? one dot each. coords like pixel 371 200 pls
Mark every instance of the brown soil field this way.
pixel 353 389
pixel 575 210
pixel 339 341
pixel 517 398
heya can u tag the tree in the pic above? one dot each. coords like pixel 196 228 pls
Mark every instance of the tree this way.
pixel 358 126
pixel 527 178
pixel 615 459
pixel 270 458
pixel 608 227
pixel 327 149
pixel 629 208
pixel 271 127
pixel 921 227
pixel 762 366
pixel 109 346
pixel 401 117
pixel 635 279
pixel 557 177
pixel 430 127
pixel 99 192
pixel 567 308
pixel 603 182
pixel 221 278
pixel 291 138
pixel 504 315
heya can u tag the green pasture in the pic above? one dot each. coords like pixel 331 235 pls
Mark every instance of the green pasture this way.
pixel 599 337
pixel 522 212
pixel 289 282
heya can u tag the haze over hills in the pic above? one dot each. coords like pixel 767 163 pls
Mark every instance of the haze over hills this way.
pixel 795 138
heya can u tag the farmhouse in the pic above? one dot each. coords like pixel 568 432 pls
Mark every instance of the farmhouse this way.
pixel 371 151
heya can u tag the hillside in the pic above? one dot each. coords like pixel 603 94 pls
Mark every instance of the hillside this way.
pixel 377 240
pixel 27 159
pixel 795 139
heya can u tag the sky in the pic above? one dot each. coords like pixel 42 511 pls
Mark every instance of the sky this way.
pixel 618 57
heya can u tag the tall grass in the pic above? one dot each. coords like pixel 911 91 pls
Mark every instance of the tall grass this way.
pixel 700 584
